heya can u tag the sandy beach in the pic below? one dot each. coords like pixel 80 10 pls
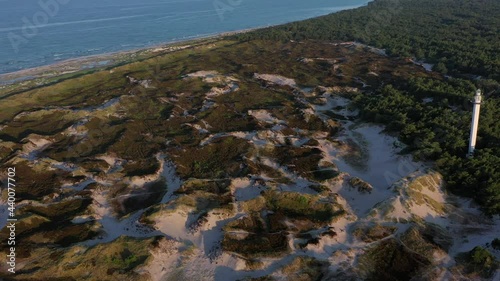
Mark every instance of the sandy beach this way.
pixel 109 60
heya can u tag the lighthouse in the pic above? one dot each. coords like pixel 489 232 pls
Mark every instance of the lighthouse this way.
pixel 475 122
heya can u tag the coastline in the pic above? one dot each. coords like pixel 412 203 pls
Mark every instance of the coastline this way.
pixel 98 61
pixel 105 60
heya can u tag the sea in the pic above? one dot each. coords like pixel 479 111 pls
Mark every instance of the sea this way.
pixel 41 32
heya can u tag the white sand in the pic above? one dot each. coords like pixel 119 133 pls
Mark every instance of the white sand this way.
pixel 265 116
pixel 79 186
pixel 113 228
pixel 169 173
pixel 384 166
pixel 243 189
pixel 165 259
pixel 203 73
pixel 212 76
pixel 218 91
pixel 276 79
pixel 106 105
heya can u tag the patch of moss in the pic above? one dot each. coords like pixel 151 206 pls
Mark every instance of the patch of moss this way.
pixel 430 181
pixel 302 206
pixel 254 205
pixel 125 260
pixel 479 262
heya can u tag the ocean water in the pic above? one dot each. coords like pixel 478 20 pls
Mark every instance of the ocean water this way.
pixel 41 32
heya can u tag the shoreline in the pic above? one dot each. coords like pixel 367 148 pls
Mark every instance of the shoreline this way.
pixel 94 62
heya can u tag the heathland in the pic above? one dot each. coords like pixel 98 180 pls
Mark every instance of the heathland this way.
pixel 313 150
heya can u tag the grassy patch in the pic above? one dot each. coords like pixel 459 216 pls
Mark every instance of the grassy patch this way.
pixel 306 269
pixel 259 168
pixel 101 133
pixel 302 160
pixel 302 206
pixel 252 96
pixel 478 263
pixel 34 184
pixel 141 167
pixel 361 185
pixel 64 234
pixel 389 260
pixel 215 187
pixel 61 210
pixel 224 119
pixel 42 123
pixel 258 240
pixel 220 159
pixel 373 233
pixel 27 223
pixel 296 119
pixel 405 257
pixel 112 261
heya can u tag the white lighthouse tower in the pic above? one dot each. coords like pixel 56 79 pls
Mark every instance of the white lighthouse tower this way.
pixel 475 122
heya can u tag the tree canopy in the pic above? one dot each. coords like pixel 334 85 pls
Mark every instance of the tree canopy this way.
pixel 432 116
